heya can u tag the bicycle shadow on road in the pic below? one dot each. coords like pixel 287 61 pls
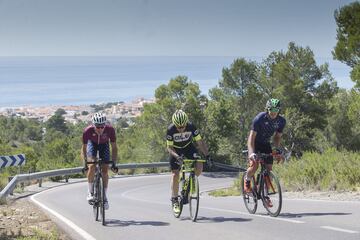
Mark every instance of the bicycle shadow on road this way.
pixel 300 215
pixel 122 223
pixel 217 219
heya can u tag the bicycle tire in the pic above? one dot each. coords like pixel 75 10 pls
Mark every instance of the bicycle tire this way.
pixel 96 199
pixel 272 190
pixel 193 197
pixel 102 201
pixel 181 203
pixel 250 199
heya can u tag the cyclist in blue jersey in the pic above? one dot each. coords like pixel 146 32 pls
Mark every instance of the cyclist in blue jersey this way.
pixel 264 126
pixel 180 138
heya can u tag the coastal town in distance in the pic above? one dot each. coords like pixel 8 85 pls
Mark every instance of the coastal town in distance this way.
pixel 81 113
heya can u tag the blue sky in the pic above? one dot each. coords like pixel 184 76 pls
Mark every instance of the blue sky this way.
pixel 251 28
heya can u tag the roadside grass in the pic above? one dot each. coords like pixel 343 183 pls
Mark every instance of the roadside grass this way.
pixel 330 171
pixel 35 234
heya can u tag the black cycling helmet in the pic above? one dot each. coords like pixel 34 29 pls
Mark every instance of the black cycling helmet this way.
pixel 273 105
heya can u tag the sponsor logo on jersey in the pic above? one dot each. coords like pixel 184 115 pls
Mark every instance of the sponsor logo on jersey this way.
pixel 182 137
pixel 169 137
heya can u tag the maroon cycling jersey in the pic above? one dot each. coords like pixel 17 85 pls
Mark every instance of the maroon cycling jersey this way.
pixel 90 134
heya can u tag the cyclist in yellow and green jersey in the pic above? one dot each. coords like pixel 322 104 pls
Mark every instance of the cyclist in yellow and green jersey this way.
pixel 180 138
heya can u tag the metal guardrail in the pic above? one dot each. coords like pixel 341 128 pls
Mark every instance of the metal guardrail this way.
pixel 67 171
pixel 229 167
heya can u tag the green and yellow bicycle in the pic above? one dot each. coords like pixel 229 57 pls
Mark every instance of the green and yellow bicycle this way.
pixel 189 186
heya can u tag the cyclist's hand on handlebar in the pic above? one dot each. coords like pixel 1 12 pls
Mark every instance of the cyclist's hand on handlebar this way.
pixel 114 168
pixel 252 157
pixel 209 161
pixel 278 154
pixel 84 169
pixel 179 160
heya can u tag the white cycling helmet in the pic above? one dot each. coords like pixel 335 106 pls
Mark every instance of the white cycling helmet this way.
pixel 99 118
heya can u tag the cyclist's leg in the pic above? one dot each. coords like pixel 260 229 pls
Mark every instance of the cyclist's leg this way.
pixel 91 154
pixel 268 163
pixel 104 154
pixel 269 160
pixel 199 168
pixel 174 177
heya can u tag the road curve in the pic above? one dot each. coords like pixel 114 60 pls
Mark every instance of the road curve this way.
pixel 140 209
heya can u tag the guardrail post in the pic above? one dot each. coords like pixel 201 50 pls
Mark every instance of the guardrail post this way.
pixel 40 182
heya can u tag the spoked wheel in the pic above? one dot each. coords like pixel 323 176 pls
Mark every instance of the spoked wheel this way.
pixel 250 199
pixel 194 197
pixel 271 195
pixel 177 212
pixel 102 201
pixel 96 200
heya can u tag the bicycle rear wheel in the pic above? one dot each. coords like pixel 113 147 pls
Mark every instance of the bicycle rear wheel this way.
pixel 194 197
pixel 250 199
pixel 96 199
pixel 102 201
pixel 271 190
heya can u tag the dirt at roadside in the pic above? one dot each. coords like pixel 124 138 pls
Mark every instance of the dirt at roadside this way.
pixel 22 218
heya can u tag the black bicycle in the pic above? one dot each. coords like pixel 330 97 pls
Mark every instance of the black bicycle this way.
pixel 265 186
pixel 189 186
pixel 99 190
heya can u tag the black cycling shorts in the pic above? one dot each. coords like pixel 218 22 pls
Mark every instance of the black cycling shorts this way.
pixel 189 152
pixel 264 148
pixel 104 150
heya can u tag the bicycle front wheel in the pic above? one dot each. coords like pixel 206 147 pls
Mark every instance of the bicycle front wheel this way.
pixel 178 209
pixel 250 199
pixel 194 197
pixel 271 194
pixel 96 200
pixel 102 201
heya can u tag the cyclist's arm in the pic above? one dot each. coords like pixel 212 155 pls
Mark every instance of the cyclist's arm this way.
pixel 251 142
pixel 172 151
pixel 202 146
pixel 277 139
pixel 83 152
pixel 114 152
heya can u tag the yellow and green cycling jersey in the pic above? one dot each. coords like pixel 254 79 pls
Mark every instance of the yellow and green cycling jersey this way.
pixel 177 139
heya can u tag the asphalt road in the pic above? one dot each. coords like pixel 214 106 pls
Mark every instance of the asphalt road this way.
pixel 140 209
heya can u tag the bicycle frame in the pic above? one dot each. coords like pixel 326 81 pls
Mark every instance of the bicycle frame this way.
pixel 265 184
pixel 189 187
pixel 99 190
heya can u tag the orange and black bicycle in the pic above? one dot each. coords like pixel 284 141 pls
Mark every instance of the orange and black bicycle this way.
pixel 265 187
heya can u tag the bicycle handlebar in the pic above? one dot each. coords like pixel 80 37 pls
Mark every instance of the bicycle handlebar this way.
pixel 99 161
pixel 193 160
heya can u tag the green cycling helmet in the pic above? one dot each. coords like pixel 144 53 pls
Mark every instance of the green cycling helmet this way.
pixel 180 118
pixel 273 105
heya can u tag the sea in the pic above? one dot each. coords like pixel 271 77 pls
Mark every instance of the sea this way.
pixel 59 81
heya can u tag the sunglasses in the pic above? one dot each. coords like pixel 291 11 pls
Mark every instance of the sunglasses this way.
pixel 181 127
pixel 274 110
pixel 100 126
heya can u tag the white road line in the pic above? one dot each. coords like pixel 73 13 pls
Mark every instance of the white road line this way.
pixel 72 225
pixel 339 229
pixel 125 195
pixel 321 200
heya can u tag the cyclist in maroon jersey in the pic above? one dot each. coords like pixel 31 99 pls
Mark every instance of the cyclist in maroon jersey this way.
pixel 96 137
